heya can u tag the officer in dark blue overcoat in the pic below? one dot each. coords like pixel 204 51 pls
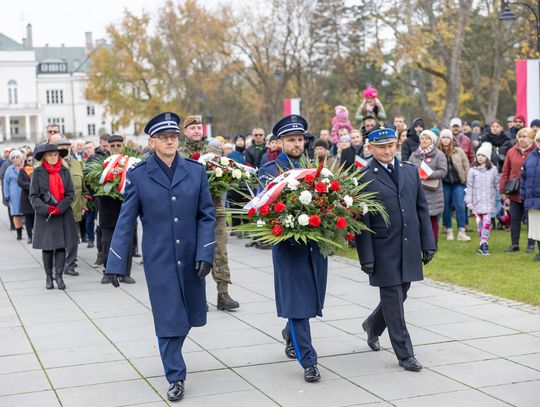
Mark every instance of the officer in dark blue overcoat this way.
pixel 171 195
pixel 393 254
pixel 300 270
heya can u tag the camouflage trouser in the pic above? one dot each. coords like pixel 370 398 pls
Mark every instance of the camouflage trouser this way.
pixel 220 271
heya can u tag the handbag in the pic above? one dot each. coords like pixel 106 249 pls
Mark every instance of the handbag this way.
pixel 511 187
pixel 431 184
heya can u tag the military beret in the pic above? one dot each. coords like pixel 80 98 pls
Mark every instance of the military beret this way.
pixel 292 124
pixel 163 122
pixel 382 136
pixel 115 137
pixel 195 119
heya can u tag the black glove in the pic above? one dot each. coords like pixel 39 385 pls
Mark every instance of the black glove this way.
pixel 368 268
pixel 427 256
pixel 114 279
pixel 203 268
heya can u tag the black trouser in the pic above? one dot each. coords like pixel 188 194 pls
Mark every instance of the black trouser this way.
pixel 29 223
pixel 106 238
pixel 517 210
pixel 99 240
pixel 82 229
pixel 390 314
pixel 71 257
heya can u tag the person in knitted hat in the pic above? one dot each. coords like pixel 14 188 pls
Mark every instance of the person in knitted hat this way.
pixel 480 194
pixel 340 121
pixel 322 153
pixel 370 103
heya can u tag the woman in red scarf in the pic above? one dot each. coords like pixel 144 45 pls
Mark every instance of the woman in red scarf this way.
pixel 51 194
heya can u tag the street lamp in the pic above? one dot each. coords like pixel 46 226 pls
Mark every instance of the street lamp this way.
pixel 506 14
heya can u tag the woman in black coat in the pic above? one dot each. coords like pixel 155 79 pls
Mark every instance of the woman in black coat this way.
pixel 51 194
pixel 23 180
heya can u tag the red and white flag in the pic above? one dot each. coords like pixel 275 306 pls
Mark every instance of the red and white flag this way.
pixel 360 162
pixel 291 106
pixel 424 171
pixel 528 89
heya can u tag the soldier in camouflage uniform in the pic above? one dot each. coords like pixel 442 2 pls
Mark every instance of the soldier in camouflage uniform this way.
pixel 192 142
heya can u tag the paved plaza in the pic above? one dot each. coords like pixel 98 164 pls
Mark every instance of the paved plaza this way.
pixel 94 345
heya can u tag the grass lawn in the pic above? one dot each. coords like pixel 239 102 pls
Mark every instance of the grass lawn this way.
pixel 510 275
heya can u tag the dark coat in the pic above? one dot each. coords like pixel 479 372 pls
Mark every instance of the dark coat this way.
pixel 396 249
pixel 59 231
pixel 178 221
pixel 348 157
pixel 501 144
pixel 300 270
pixel 411 144
pixel 253 155
pixel 23 180
pixel 108 211
pixel 530 181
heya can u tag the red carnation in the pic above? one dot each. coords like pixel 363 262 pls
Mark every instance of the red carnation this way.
pixel 314 220
pixel 251 212
pixel 320 187
pixel 334 186
pixel 309 178
pixel 264 210
pixel 350 236
pixel 279 207
pixel 195 156
pixel 341 223
pixel 277 230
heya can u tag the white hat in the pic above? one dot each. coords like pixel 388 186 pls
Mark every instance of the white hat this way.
pixel 456 121
pixel 430 134
pixel 485 149
pixel 15 153
pixel 446 133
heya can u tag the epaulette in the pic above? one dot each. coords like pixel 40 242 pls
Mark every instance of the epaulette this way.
pixel 192 160
pixel 138 165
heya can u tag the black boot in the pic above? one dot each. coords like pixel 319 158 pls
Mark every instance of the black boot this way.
pixel 225 302
pixel 59 264
pixel 47 256
pixel 19 233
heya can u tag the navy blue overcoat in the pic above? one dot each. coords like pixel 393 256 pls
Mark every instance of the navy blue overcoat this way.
pixel 396 249
pixel 178 221
pixel 300 270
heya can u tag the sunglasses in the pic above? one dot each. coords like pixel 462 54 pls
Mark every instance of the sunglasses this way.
pixel 52 131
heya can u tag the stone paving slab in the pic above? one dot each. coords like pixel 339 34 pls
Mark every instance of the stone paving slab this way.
pixel 94 345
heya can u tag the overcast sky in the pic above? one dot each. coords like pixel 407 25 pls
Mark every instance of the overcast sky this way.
pixel 57 22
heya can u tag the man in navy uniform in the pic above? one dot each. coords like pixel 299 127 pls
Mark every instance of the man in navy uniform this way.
pixel 300 270
pixel 393 254
pixel 171 195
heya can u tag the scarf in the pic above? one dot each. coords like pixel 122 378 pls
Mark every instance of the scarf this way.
pixel 28 169
pixel 272 155
pixel 56 185
pixel 426 151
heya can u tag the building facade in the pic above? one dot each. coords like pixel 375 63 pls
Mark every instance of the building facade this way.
pixel 44 85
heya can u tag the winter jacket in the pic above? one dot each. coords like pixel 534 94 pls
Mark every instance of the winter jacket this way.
pixel 512 168
pixel 501 144
pixel 254 155
pixel 466 145
pixel 12 191
pixel 437 162
pixel 340 121
pixel 460 162
pixel 530 181
pixel 481 188
pixel 410 144
pixel 23 180
pixel 81 193
pixel 362 111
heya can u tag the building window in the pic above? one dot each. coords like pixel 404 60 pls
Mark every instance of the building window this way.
pixel 14 127
pixel 91 129
pixel 59 121
pixel 13 97
pixel 55 97
pixel 90 110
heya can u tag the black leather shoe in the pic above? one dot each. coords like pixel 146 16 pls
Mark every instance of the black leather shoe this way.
pixel 530 248
pixel 226 303
pixel 127 280
pixel 71 272
pixel 90 245
pixel 512 248
pixel 311 374
pixel 290 352
pixel 411 364
pixel 372 339
pixel 176 391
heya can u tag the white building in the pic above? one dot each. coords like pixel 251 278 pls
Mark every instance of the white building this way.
pixel 42 85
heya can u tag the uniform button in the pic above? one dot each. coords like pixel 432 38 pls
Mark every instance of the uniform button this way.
pixel 405 224
pixel 405 239
pixel 173 198
pixel 175 220
pixel 177 241
pixel 179 263
pixel 403 210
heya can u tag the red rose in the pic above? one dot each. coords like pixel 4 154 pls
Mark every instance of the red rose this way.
pixel 314 220
pixel 320 187
pixel 195 156
pixel 334 186
pixel 350 236
pixel 263 210
pixel 277 230
pixel 309 178
pixel 341 223
pixel 251 212
pixel 279 207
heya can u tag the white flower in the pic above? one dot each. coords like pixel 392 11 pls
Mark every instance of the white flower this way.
pixel 303 220
pixel 326 180
pixel 247 174
pixel 293 184
pixel 348 201
pixel 219 172
pixel 305 197
pixel 260 223
pixel 365 208
pixel 325 172
pixel 236 173
pixel 289 221
pixel 355 182
pixel 224 161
